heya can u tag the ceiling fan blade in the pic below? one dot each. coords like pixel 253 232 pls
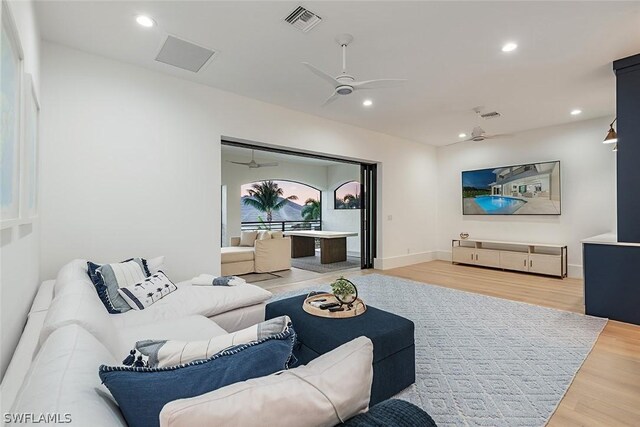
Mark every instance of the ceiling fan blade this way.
pixel 267 165
pixel 325 76
pixel 500 135
pixel 239 163
pixel 330 99
pixel 377 84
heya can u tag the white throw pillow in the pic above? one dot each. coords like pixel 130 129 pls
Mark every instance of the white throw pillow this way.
pixel 147 291
pixel 155 264
pixel 248 238
pixel 330 389
pixel 277 234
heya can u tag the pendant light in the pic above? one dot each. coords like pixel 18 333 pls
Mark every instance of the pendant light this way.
pixel 612 136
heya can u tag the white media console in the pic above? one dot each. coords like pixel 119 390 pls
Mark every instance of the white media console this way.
pixel 536 258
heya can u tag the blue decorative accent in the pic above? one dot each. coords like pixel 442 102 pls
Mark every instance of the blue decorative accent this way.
pixel 142 392
pixel 112 301
pixel 392 412
pixel 101 289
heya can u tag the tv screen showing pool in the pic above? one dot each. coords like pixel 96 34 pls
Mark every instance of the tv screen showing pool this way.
pixel 532 189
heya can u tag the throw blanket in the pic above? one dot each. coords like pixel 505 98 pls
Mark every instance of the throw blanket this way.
pixel 211 280
pixel 163 353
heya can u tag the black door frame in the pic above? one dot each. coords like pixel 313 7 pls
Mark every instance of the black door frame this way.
pixel 368 195
pixel 368 214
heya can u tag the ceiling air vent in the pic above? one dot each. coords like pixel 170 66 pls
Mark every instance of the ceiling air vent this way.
pixel 491 115
pixel 303 19
pixel 183 54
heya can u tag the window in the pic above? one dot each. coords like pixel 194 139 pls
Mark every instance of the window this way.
pixel 347 196
pixel 279 201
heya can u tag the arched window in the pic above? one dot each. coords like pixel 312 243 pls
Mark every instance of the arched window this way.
pixel 347 196
pixel 279 200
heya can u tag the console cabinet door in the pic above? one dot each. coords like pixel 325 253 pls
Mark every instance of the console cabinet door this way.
pixel 545 264
pixel 488 257
pixel 514 260
pixel 463 255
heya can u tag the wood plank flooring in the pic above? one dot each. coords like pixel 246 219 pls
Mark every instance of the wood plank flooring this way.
pixel 606 390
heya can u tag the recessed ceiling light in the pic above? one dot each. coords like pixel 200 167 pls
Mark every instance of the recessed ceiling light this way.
pixel 145 21
pixel 462 135
pixel 509 47
pixel 367 103
pixel 576 112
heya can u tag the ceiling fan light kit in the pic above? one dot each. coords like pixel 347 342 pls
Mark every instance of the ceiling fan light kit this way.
pixel 345 84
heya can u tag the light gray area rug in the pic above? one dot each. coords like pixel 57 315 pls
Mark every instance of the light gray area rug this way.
pixel 483 361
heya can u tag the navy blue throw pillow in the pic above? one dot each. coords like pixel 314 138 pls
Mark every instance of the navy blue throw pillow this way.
pixel 141 393
pixel 107 291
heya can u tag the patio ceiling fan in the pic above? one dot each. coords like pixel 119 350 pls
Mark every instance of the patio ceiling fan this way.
pixel 344 83
pixel 478 134
pixel 253 164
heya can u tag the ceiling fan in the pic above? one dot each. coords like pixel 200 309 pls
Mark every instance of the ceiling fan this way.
pixel 478 134
pixel 253 164
pixel 344 83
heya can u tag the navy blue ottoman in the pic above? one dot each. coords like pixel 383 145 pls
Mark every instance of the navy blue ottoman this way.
pixel 394 359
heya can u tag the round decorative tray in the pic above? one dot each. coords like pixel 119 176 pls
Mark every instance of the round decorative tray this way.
pixel 357 307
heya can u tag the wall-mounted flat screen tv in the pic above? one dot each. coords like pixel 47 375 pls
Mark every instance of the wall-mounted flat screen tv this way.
pixel 531 189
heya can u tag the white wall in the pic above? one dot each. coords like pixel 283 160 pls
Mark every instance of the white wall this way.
pixel 587 178
pixel 341 219
pixel 131 165
pixel 20 245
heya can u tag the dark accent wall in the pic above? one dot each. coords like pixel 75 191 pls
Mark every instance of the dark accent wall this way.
pixel 628 127
pixel 611 284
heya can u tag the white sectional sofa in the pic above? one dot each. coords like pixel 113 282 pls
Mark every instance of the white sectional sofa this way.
pixel 53 375
pixel 67 312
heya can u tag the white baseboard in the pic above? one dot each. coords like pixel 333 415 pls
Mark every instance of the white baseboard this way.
pixel 404 260
pixel 574 270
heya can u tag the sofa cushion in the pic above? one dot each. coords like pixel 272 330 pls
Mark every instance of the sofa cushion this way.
pixel 142 392
pixel 83 309
pixel 236 254
pixel 263 235
pixel 330 389
pixel 188 300
pixel 165 352
pixel 189 328
pixel 62 380
pixel 248 238
pixel 72 271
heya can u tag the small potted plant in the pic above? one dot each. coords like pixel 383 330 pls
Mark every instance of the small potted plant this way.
pixel 345 291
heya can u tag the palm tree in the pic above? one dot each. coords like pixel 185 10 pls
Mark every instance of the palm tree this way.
pixel 267 197
pixel 351 201
pixel 311 210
